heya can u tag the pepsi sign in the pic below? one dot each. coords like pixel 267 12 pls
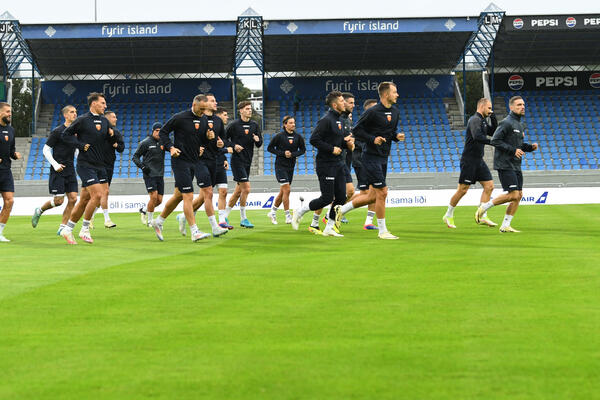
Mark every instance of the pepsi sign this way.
pixel 571 22
pixel 516 82
pixel 518 23
pixel 595 80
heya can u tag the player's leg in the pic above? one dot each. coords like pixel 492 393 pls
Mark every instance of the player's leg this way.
pixel 339 198
pixel 222 204
pixel 514 205
pixel 509 181
pixel 245 191
pixel 151 206
pixel 287 189
pixel 8 199
pixel 104 204
pixel 488 188
pixel 95 196
pixel 461 190
pixel 326 177
pixel 272 214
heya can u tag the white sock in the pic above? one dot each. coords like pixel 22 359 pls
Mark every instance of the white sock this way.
pixel 213 222
pixel 194 228
pixel 159 220
pixel 303 210
pixel 106 215
pixel 506 221
pixel 381 225
pixel 369 219
pixel 150 214
pixel 347 207
pixel 487 206
pixel 315 221
pixel 2 228
pixel 287 213
pixel 330 223
pixel 222 216
pixel 86 224
pixel 450 212
pixel 274 209
pixel 144 208
pixel 227 211
pixel 243 213
pixel 70 225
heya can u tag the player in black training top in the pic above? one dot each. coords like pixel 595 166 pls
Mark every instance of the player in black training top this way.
pixel 329 137
pixel 210 156
pixel 287 145
pixel 222 167
pixel 472 167
pixel 376 128
pixel 191 132
pixel 150 158
pixel 88 133
pixel 7 152
pixel 243 134
pixel 63 179
pixel 109 163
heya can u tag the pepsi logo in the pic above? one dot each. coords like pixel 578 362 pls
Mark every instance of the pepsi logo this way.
pixel 595 80
pixel 571 22
pixel 518 23
pixel 516 82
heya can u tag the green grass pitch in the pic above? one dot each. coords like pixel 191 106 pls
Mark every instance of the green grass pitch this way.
pixel 272 313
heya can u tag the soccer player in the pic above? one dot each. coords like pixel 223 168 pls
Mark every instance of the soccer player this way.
pixel 329 137
pixel 287 145
pixel 510 148
pixel 244 134
pixel 472 167
pixel 210 155
pixel 376 128
pixel 63 179
pixel 7 152
pixel 88 133
pixel 191 132
pixel 150 158
pixel 109 164
pixel 222 167
pixel 361 176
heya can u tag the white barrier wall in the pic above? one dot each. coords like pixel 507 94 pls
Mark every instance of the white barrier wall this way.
pixel 396 198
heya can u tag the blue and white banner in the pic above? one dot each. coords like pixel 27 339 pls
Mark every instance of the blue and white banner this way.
pixel 361 86
pixel 135 90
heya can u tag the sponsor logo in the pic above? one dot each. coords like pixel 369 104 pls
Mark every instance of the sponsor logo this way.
pixel 542 199
pixel 7 28
pixel 516 82
pixel 329 178
pixel 518 23
pixel 571 22
pixel 556 81
pixel 595 80
pixel 544 22
pixel 591 21
pixel 269 202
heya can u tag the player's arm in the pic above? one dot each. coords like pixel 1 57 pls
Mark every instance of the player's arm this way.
pixel 258 133
pixel 359 129
pixel 476 129
pixel 120 142
pixel 301 147
pixel 47 151
pixel 273 146
pixel 14 154
pixel 317 136
pixel 498 140
pixel 164 138
pixel 529 147
pixel 493 124
pixel 70 136
pixel 139 152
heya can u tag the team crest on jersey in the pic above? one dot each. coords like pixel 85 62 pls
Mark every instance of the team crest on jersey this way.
pixel 246 129
pixel 98 127
pixel 6 138
pixel 291 141
pixel 196 124
pixel 339 124
pixel 389 117
pixel 210 124
pixel 162 147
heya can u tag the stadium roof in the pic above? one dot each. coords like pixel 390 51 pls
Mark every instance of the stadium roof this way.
pixel 548 40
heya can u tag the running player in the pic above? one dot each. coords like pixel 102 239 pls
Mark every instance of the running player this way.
pixel 377 129
pixel 89 133
pixel 510 149
pixel 63 179
pixel 472 167
pixel 7 152
pixel 329 137
pixel 109 164
pixel 191 132
pixel 222 167
pixel 287 145
pixel 150 158
pixel 243 134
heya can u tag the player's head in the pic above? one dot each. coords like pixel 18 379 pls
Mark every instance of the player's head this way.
pixel 5 113
pixel 349 102
pixel 484 107
pixel 97 102
pixel 335 101
pixel 222 113
pixel 111 117
pixel 368 104
pixel 156 130
pixel 289 123
pixel 199 104
pixel 388 92
pixel 245 109
pixel 69 113
pixel 211 102
pixel 517 105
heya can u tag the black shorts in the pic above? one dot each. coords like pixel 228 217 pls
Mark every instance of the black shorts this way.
pixel 472 171
pixel 510 179
pixel 60 183
pixel 284 175
pixel 348 174
pixel 221 174
pixel 241 172
pixel 109 175
pixel 207 173
pixel 155 183
pixel 375 170
pixel 184 173
pixel 7 183
pixel 361 176
pixel 91 175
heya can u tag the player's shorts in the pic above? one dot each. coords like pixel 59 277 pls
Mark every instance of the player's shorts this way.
pixel 184 173
pixel 220 175
pixel 472 171
pixel 510 179
pixel 241 172
pixel 109 175
pixel 348 174
pixel 375 169
pixel 60 183
pixel 207 173
pixel 91 175
pixel 284 175
pixel 361 176
pixel 7 183
pixel 154 183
